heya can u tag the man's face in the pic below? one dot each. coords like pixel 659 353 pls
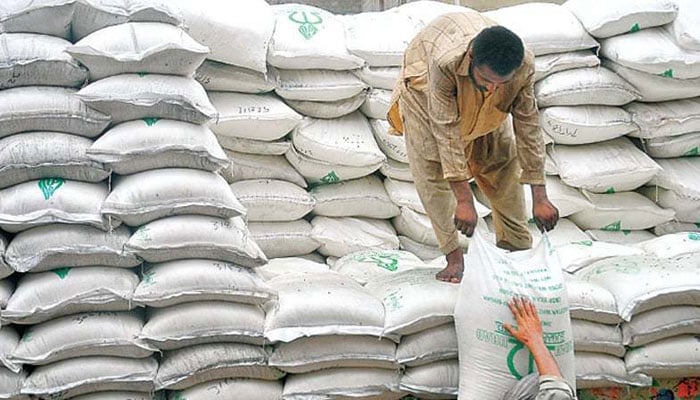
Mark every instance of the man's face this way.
pixel 485 79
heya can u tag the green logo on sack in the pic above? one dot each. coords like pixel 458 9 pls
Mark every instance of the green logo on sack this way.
pixel 510 360
pixel 587 243
pixel 667 74
pixel 392 302
pixel 331 177
pixel 635 28
pixel 61 272
pixel 389 262
pixel 307 22
pixel 692 152
pixel 151 121
pixel 148 278
pixel 179 396
pixel 28 336
pixel 614 227
pixel 141 74
pixel 610 191
pixel 49 186
pixel 694 236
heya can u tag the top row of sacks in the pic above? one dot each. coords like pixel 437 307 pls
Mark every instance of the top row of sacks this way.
pixel 252 34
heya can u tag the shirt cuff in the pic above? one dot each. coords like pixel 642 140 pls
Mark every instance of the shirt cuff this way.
pixel 455 176
pixel 550 382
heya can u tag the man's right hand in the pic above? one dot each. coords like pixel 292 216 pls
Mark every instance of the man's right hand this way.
pixel 466 217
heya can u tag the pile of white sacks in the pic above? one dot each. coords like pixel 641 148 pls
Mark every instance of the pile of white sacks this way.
pixel 138 211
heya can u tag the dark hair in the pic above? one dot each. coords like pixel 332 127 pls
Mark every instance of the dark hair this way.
pixel 499 48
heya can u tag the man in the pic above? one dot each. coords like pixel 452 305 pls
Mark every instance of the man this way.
pixel 549 384
pixel 461 78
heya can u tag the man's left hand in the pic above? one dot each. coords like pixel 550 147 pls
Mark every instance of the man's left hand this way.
pixel 543 211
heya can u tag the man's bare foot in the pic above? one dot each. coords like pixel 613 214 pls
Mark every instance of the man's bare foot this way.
pixel 455 267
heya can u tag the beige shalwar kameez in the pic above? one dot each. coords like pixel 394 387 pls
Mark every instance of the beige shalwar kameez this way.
pixel 454 131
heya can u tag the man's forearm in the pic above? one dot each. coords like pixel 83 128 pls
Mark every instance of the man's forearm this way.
pixel 462 191
pixel 546 364
pixel 539 192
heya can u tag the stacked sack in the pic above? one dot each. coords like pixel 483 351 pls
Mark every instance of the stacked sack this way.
pixel 636 44
pixel 51 194
pixel 203 302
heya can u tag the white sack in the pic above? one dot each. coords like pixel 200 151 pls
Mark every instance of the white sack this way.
pixel 81 335
pixel 226 389
pixel 622 17
pixel 581 86
pixel 34 155
pixel 183 281
pixel 564 232
pixel 290 265
pixel 196 236
pixel 576 255
pixel 135 96
pixel 396 170
pixel 414 300
pixel 418 227
pixel 27 109
pixel 270 200
pixel 252 116
pixel 28 59
pixel 307 37
pixel 353 383
pixel 318 85
pixel 146 196
pixel 154 48
pixel 621 211
pixel 653 88
pixel 348 140
pixel 551 63
pixel 141 145
pixel 687 208
pixel 585 124
pixel 258 166
pixel 370 265
pixel 422 12
pixel 404 194
pixel 48 17
pixel 118 395
pixel 364 30
pixel 672 358
pixel 675 227
pixel 9 339
pixel 545 28
pixel 328 109
pixel 314 353
pixel 84 375
pixel 673 245
pixel 377 104
pixel 625 237
pixel 200 322
pixel 46 295
pixel 364 197
pixel 591 302
pixel 253 146
pixel 661 323
pixel 321 172
pixel 597 370
pixel 5 269
pixel 323 304
pixel 686 27
pixel 341 236
pixel 668 118
pixel 93 15
pixel 216 76
pixel 642 283
pixel 53 200
pixel 393 146
pixel 58 245
pixel 6 289
pixel 428 346
pixel 653 51
pixel 379 77
pixel 423 251
pixel 184 368
pixel 615 165
pixel 237 33
pixel 435 380
pixel 685 145
pixel 283 239
pixel 597 338
pixel 567 199
pixel 490 360
pixel 681 176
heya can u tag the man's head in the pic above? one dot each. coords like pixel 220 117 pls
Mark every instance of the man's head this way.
pixel 495 54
